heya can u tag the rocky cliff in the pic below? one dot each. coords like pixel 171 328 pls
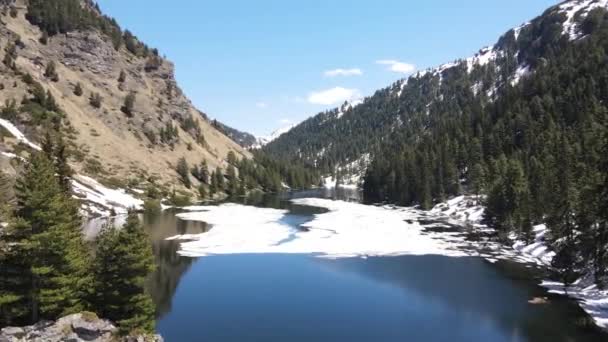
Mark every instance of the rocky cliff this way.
pixel 92 82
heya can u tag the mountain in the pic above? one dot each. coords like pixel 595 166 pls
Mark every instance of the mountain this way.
pixel 522 126
pixel 122 112
pixel 262 141
pixel 337 138
pixel 246 140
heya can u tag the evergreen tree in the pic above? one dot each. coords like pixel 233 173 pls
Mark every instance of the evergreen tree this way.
pixel 562 221
pixel 95 100
pixel 233 182
pixel 478 175
pixel 44 271
pixel 7 194
pixel 507 200
pixel 213 186
pixel 231 158
pixel 78 89
pixel 51 72
pixel 204 172
pixel 122 262
pixel 219 179
pixel 202 192
pixel 62 167
pixel 129 104
pixel 183 172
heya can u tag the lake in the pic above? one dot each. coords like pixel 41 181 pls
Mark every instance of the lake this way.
pixel 296 297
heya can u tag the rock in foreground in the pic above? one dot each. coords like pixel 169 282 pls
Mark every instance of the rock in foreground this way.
pixel 73 328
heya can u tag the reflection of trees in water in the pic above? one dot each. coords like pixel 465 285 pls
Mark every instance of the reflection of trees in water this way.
pixel 170 266
pixel 469 285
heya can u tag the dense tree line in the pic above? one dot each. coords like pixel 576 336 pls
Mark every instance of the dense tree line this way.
pixel 47 269
pixel 242 176
pixel 537 148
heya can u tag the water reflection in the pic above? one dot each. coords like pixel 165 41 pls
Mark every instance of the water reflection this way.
pixel 278 297
pixel 493 294
pixel 170 267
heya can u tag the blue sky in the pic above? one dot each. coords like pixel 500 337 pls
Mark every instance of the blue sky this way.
pixel 262 64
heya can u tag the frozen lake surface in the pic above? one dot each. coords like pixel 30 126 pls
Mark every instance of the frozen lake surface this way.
pixel 291 296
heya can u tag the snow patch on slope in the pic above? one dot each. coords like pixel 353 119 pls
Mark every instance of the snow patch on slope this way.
pixel 104 198
pixel 261 141
pixel 572 8
pixel 485 56
pixel 352 174
pixel 348 106
pixel 468 211
pixel 99 199
pixel 12 129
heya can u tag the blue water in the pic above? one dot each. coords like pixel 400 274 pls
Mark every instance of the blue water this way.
pixel 274 297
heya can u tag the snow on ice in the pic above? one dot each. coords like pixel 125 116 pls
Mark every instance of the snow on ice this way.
pixel 347 230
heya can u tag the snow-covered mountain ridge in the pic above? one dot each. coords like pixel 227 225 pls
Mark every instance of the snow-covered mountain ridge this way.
pixel 326 140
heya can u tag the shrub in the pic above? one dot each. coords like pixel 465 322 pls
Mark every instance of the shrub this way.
pixel 78 89
pixel 95 100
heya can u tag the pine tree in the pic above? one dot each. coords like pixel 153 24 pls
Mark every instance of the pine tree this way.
pixel 204 172
pixel 598 224
pixel 242 191
pixel 46 265
pixel 129 104
pixel 62 167
pixel 202 192
pixel 183 172
pixel 562 221
pixel 7 194
pixel 50 102
pixel 123 261
pixel 213 188
pixel 506 205
pixel 478 176
pixel 78 89
pixel 51 72
pixel 219 178
pixel 233 182
pixel 95 100
pixel 231 158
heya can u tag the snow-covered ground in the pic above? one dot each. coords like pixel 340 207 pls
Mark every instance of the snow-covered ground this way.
pixel 102 200
pixel 15 132
pixel 98 199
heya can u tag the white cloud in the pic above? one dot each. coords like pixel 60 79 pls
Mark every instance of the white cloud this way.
pixel 397 66
pixel 261 105
pixel 333 96
pixel 343 72
pixel 285 121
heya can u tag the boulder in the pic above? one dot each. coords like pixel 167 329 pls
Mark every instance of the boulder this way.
pixel 78 327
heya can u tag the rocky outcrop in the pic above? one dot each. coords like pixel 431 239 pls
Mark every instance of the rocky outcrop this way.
pixel 73 328
pixel 107 142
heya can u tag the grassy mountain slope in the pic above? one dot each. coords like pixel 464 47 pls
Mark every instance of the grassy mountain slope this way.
pixel 107 141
